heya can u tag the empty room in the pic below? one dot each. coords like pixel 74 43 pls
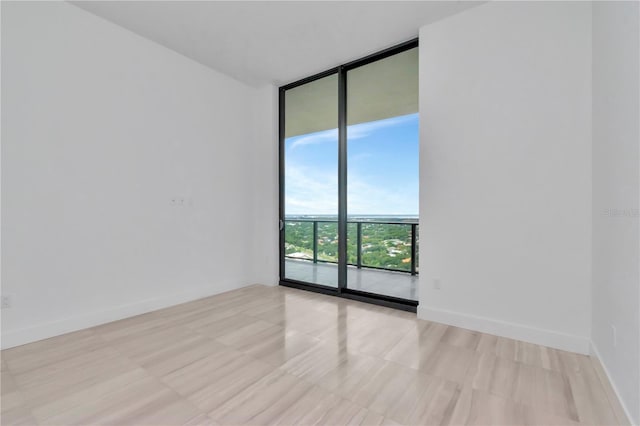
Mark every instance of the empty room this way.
pixel 320 213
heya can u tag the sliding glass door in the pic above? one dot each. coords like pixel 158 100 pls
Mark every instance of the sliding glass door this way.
pixel 382 175
pixel 349 180
pixel 310 180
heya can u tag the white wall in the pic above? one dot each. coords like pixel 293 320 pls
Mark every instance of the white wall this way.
pixel 264 238
pixel 616 187
pixel 505 202
pixel 100 129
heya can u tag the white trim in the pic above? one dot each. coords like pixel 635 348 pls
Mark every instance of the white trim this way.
pixel 553 339
pixel 82 321
pixel 595 355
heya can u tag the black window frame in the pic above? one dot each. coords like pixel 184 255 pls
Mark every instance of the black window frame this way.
pixel 341 290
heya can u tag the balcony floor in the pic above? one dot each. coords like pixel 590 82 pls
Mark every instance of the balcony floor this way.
pixel 388 283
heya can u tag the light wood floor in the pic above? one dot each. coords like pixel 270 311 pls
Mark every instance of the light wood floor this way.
pixel 264 355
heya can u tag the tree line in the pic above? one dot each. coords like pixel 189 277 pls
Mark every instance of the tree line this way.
pixel 383 245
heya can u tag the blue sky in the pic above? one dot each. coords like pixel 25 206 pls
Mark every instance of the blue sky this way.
pixel 382 161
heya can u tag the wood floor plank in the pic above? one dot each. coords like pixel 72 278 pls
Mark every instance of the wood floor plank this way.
pixel 448 362
pixel 591 399
pixel 38 354
pixel 59 404
pixel 274 345
pixel 17 416
pixel 137 403
pixel 14 409
pixel 315 362
pixel 611 395
pixel 177 354
pixel 212 381
pixel 225 325
pixel 427 400
pixel 72 375
pixel 311 406
pixel 263 401
pixel 455 336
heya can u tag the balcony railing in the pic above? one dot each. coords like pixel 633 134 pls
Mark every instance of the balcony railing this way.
pixel 406 240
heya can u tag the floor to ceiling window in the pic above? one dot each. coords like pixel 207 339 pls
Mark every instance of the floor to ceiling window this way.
pixel 311 181
pixel 349 179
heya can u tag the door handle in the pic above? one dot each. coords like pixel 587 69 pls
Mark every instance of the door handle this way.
pixel 281 225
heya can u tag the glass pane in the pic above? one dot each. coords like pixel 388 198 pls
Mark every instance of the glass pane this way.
pixel 386 246
pixel 311 182
pixel 382 175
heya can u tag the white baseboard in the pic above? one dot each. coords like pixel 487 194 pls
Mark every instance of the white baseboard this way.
pixel 611 385
pixel 78 322
pixel 511 330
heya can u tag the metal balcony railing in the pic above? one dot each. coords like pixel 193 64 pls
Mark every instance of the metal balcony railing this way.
pixel 359 261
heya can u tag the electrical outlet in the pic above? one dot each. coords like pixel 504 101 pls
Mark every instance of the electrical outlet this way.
pixel 179 201
pixel 614 335
pixel 436 283
pixel 6 301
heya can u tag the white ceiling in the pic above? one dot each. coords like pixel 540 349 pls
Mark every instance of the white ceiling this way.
pixel 260 42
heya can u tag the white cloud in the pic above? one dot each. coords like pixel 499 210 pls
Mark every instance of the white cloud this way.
pixel 311 191
pixel 359 131
pixel 364 198
pixel 354 132
pixel 314 138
